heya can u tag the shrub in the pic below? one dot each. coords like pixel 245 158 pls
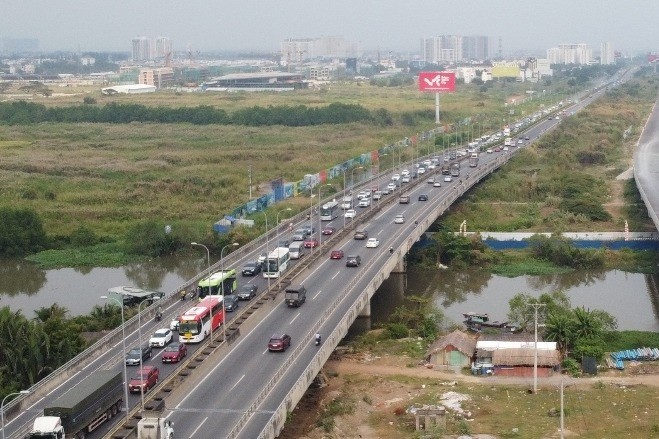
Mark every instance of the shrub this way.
pixel 83 237
pixel 21 233
pixel 397 330
pixel 571 366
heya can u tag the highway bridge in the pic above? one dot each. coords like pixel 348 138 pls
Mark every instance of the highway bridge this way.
pixel 646 165
pixel 235 387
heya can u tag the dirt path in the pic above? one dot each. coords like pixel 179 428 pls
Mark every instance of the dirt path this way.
pixel 388 367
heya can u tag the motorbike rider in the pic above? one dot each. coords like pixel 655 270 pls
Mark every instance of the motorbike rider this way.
pixel 317 337
pixel 159 313
pixel 182 294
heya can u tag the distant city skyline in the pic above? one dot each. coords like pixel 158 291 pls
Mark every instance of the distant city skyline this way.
pixel 396 25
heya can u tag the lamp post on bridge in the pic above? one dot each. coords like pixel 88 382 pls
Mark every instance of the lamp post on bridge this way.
pixel 2 407
pixel 123 346
pixel 224 313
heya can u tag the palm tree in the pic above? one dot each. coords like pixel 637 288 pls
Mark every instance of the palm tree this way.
pixel 587 325
pixel 560 328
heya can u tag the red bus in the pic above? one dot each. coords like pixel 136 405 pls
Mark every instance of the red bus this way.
pixel 195 323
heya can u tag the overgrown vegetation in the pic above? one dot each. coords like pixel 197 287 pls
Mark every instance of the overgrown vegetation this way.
pixel 30 349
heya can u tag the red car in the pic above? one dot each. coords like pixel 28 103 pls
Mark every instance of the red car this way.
pixel 497 149
pixel 336 254
pixel 310 243
pixel 328 230
pixel 174 353
pixel 279 342
pixel 146 378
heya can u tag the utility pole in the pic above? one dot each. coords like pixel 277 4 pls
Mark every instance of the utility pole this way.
pixel 250 182
pixel 536 306
pixel 562 418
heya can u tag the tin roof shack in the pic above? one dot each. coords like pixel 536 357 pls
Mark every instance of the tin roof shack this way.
pixel 519 362
pixel 454 350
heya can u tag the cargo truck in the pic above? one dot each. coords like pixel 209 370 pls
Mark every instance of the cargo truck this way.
pixel 81 409
pixel 455 169
pixel 295 295
pixel 473 160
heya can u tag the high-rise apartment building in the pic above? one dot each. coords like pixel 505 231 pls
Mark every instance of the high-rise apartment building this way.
pixel 455 48
pixel 163 47
pixel 142 49
pixel 297 50
pixel 442 49
pixel 475 47
pixel 607 56
pixel 570 54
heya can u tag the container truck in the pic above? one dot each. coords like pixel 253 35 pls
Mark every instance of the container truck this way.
pixel 473 160
pixel 81 409
pixel 455 170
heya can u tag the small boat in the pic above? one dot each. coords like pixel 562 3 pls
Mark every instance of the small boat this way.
pixel 477 321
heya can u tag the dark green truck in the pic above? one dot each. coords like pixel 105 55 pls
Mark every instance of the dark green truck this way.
pixel 80 410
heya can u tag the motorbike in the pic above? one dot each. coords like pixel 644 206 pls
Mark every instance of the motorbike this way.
pixel 158 316
pixel 317 340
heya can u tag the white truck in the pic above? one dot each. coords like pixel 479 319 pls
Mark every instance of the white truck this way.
pixel 155 428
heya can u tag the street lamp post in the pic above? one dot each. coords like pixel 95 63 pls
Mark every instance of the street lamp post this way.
pixel 267 252
pixel 352 177
pixel 123 345
pixel 224 313
pixel 2 407
pixel 320 227
pixel 208 259
pixel 139 343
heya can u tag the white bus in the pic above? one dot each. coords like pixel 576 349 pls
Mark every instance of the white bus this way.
pixel 329 211
pixel 277 262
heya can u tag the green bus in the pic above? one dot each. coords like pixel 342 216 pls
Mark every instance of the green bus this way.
pixel 220 283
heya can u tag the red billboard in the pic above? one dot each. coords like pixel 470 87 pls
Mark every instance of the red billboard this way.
pixel 437 81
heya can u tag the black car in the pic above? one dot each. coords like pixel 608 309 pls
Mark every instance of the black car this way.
pixel 251 269
pixel 231 302
pixel 247 292
pixel 134 355
pixel 423 197
pixel 353 261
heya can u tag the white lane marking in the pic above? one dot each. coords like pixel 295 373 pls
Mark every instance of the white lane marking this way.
pixel 337 273
pixel 296 316
pixel 234 386
pixel 317 294
pixel 196 429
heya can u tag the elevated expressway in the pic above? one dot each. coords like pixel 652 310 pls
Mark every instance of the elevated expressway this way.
pixel 242 390
pixel 646 165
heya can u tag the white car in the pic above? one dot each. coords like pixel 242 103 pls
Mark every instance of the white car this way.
pixel 350 213
pixel 391 187
pixel 161 338
pixel 173 325
pixel 372 243
pixel 364 202
pixel 400 219
pixel 395 177
pixel 405 179
pixel 362 195
pixel 489 150
pixel 405 173
pixel 448 178
pixel 377 195
pixel 421 170
pixel 437 184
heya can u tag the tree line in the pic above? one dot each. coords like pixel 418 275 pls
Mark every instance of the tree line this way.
pixel 24 113
pixel 30 349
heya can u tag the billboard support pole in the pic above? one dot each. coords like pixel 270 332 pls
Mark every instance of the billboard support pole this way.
pixel 437 108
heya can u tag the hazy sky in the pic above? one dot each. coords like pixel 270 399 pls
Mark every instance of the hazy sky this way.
pixel 396 25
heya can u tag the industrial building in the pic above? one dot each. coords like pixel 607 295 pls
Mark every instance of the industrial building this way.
pixel 274 81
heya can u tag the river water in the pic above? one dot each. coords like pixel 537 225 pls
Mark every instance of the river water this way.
pixel 630 297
